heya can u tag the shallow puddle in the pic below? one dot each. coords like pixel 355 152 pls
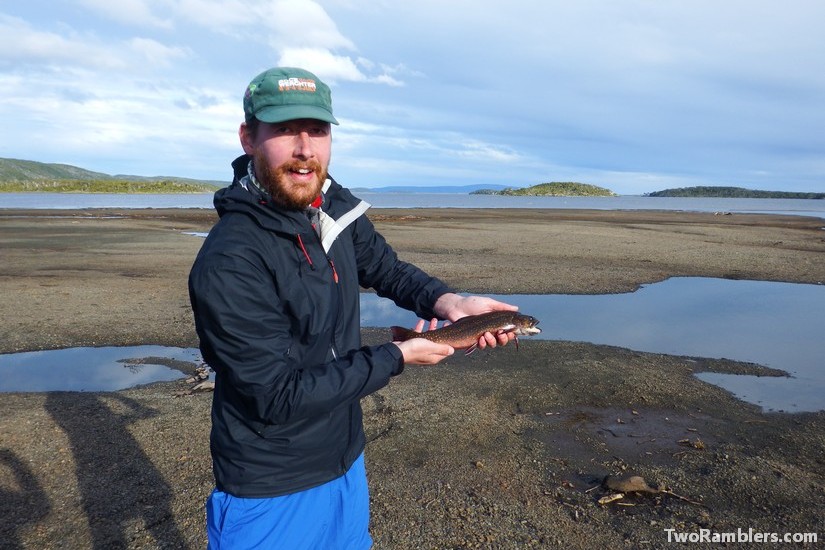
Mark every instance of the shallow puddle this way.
pixel 94 369
pixel 777 325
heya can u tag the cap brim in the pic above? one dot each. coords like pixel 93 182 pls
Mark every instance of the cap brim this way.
pixel 282 113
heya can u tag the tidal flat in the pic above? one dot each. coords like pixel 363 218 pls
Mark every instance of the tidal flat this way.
pixel 504 448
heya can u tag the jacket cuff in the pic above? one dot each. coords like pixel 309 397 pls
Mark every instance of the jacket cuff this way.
pixel 397 357
pixel 435 294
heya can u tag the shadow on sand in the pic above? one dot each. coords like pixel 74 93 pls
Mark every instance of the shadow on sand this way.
pixel 24 504
pixel 119 485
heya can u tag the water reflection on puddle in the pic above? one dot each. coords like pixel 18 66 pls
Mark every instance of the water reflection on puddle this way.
pixel 773 324
pixel 94 369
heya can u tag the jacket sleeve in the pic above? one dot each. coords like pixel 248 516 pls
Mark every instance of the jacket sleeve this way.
pixel 380 268
pixel 245 336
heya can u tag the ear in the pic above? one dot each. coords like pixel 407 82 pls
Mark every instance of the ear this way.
pixel 246 139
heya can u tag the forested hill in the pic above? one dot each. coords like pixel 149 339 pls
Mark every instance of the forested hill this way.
pixel 29 170
pixel 733 192
pixel 27 176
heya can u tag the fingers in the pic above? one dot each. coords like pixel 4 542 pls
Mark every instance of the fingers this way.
pixel 431 359
pixel 483 304
pixel 419 351
pixel 495 305
pixel 486 339
pixel 492 340
pixel 419 327
pixel 476 305
pixel 505 337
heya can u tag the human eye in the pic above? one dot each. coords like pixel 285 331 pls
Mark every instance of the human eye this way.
pixel 319 130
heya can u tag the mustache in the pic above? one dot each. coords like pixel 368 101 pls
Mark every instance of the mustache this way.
pixel 296 165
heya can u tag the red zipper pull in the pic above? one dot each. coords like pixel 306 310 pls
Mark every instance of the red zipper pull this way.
pixel 304 250
pixel 334 272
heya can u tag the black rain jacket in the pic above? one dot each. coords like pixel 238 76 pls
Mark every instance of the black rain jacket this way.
pixel 278 320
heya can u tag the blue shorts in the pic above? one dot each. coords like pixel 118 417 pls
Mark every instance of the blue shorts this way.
pixel 332 516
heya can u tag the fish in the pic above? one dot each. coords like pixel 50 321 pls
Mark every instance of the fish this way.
pixel 464 333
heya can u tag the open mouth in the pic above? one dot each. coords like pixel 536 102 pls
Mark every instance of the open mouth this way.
pixel 302 174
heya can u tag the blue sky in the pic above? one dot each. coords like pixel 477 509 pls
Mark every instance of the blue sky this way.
pixel 631 95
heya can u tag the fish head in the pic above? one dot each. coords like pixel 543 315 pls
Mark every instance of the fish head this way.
pixel 526 324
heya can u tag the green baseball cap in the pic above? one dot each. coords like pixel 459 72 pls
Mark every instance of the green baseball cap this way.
pixel 287 93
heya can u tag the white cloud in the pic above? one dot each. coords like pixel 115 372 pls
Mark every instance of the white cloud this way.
pixel 301 24
pixel 20 43
pixel 156 53
pixel 325 64
pixel 297 32
pixel 387 79
pixel 475 150
pixel 224 16
pixel 130 12
pixel 333 68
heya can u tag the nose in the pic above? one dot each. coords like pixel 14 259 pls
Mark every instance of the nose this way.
pixel 303 146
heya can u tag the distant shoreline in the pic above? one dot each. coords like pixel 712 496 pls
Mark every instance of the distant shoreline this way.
pixel 709 192
pixel 422 190
pixel 47 192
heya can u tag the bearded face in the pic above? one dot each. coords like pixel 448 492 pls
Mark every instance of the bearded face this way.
pixel 290 158
pixel 288 183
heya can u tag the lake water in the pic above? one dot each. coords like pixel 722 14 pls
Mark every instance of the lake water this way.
pixel 798 207
pixel 773 324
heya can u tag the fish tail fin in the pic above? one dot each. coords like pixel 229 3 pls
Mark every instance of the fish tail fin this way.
pixel 400 334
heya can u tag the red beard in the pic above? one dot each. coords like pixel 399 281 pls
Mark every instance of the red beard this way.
pixel 284 191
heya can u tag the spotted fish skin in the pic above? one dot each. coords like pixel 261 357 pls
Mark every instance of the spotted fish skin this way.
pixel 464 333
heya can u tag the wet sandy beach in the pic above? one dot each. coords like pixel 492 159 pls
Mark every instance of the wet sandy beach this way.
pixel 501 449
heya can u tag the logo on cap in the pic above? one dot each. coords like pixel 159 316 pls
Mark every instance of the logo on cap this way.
pixel 296 84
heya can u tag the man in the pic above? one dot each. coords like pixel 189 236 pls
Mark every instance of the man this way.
pixel 275 295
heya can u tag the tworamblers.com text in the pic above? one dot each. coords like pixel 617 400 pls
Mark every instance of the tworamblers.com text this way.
pixel 740 536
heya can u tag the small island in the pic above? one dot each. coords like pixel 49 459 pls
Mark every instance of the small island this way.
pixel 732 192
pixel 553 189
